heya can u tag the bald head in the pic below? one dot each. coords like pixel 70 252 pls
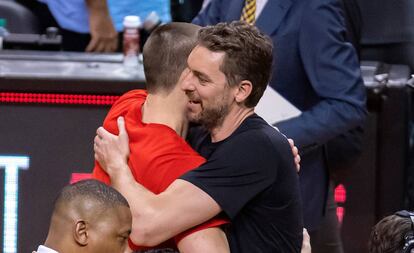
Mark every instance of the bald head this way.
pixel 87 192
pixel 87 215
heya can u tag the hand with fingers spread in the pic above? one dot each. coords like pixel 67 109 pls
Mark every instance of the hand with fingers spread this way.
pixel 112 151
pixel 295 150
pixel 295 153
pixel 306 244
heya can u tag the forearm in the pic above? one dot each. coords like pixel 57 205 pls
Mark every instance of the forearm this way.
pixel 97 7
pixel 314 128
pixel 205 241
pixel 141 202
pixel 104 37
pixel 157 218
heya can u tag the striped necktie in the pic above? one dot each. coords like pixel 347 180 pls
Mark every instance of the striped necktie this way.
pixel 249 12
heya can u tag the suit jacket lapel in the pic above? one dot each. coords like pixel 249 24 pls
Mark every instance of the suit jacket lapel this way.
pixel 272 15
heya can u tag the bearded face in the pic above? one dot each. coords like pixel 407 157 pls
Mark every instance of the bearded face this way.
pixel 209 112
pixel 206 87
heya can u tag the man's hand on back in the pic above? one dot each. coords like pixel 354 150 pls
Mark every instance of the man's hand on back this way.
pixel 295 153
pixel 112 151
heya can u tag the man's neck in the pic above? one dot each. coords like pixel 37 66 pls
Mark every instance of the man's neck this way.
pixel 231 122
pixel 164 110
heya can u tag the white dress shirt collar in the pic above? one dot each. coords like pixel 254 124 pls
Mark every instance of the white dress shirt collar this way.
pixel 44 249
pixel 260 4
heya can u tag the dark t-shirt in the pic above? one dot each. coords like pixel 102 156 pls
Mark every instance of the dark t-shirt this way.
pixel 252 176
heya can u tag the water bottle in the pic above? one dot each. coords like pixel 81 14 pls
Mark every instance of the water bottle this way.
pixel 151 22
pixel 3 31
pixel 131 44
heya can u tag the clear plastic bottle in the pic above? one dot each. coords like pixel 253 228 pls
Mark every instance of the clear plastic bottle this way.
pixel 151 22
pixel 3 31
pixel 131 42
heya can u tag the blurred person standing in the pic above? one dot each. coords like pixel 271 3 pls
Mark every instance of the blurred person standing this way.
pixel 96 25
pixel 317 71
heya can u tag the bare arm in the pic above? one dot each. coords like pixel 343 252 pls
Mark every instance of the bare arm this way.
pixel 156 218
pixel 205 241
pixel 158 221
pixel 104 37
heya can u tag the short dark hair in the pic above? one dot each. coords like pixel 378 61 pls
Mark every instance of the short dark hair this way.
pixel 248 54
pixel 387 236
pixel 91 190
pixel 165 54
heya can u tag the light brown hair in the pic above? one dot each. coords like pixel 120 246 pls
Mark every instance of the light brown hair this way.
pixel 387 235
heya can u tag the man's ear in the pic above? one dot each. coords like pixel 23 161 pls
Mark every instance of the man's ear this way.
pixel 80 233
pixel 244 89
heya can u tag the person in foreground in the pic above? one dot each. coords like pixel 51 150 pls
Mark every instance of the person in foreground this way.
pixel 157 125
pixel 249 175
pixel 393 234
pixel 88 217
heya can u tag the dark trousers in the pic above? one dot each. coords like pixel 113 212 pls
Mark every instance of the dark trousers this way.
pixel 327 238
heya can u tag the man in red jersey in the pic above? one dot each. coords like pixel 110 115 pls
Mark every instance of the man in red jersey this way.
pixel 156 124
